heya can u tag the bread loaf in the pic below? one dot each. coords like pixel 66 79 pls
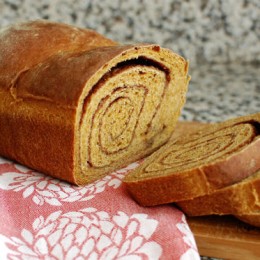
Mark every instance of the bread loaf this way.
pixel 198 163
pixel 76 105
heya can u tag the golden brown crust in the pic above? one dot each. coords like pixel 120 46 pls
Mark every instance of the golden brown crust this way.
pixel 252 219
pixel 26 44
pixel 59 95
pixel 199 163
pixel 238 199
pixel 23 47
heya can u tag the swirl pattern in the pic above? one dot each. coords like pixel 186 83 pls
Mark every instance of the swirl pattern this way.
pixel 207 149
pixel 123 113
pixel 126 114
pixel 198 163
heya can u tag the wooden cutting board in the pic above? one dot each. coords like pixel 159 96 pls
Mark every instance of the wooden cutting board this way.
pixel 225 237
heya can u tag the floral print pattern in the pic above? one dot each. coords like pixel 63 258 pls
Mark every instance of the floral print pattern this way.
pixel 87 234
pixel 48 219
pixel 44 189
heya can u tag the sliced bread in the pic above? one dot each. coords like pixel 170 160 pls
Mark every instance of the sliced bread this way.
pixel 252 219
pixel 242 198
pixel 198 163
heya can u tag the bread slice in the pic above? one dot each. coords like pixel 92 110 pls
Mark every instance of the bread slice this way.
pixel 188 129
pixel 252 218
pixel 198 163
pixel 76 105
pixel 242 198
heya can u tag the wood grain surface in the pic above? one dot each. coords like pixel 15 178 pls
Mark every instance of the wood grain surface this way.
pixel 225 237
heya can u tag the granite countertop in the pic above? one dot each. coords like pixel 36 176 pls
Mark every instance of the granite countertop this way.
pixel 219 92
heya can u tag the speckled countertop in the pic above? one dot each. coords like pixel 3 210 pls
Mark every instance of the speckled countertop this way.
pixel 219 92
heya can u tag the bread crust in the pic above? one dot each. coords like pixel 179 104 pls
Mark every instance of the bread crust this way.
pixel 33 115
pixel 242 198
pixel 27 44
pixel 252 219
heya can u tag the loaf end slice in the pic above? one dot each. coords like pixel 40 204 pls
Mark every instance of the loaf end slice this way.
pixel 199 163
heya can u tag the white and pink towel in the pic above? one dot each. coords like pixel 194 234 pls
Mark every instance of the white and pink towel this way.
pixel 44 218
